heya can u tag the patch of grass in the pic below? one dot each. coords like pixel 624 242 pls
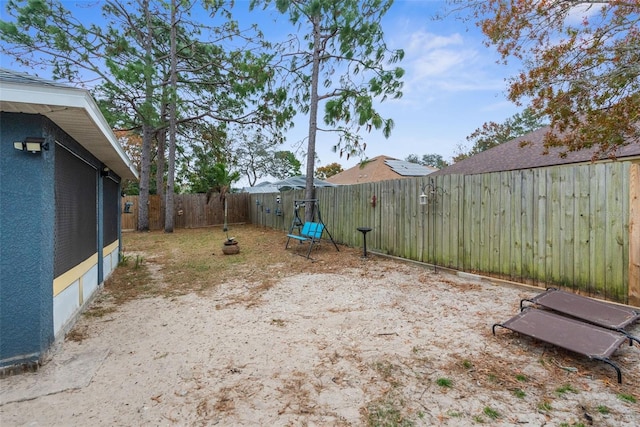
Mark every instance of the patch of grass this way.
pixel 191 260
pixel 454 414
pixel 567 388
pixel 603 410
pixel 629 398
pixel 544 406
pixel 386 413
pixel 522 378
pixel 491 413
pixel 77 334
pixel 519 393
pixel 277 322
pixel 478 419
pixel 124 260
pixel 572 425
pixel 138 263
pixel 388 372
pixel 444 382
pixel 466 364
pixel 99 311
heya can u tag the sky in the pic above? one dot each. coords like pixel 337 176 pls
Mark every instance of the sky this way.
pixel 452 84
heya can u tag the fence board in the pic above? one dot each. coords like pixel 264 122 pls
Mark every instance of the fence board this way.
pixel 582 227
pixel 615 268
pixel 506 231
pixel 634 235
pixel 528 207
pixel 557 226
pixel 516 216
pixel 598 237
pixel 190 211
pixel 567 209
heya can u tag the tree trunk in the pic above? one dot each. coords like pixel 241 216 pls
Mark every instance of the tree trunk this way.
pixel 161 137
pixel 309 192
pixel 147 132
pixel 168 219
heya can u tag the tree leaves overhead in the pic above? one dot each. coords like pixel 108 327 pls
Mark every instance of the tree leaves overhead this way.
pixel 492 134
pixel 581 65
pixel 433 160
pixel 324 172
pixel 340 63
pixel 223 73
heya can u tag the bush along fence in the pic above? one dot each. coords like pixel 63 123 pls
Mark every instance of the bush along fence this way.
pixel 190 211
pixel 571 226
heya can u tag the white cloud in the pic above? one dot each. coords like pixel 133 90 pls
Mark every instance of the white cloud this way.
pixel 580 11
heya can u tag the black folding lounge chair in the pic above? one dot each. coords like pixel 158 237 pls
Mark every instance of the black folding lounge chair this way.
pixel 599 313
pixel 573 335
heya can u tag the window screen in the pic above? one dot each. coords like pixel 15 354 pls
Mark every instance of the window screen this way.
pixel 76 210
pixel 111 204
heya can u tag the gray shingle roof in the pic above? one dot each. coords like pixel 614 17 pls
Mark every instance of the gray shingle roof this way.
pixel 24 78
pixel 512 156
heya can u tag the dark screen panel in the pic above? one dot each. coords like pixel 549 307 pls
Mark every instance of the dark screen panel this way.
pixel 76 211
pixel 111 200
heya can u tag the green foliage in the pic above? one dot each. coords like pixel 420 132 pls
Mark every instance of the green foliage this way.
pixel 567 388
pixel 213 178
pixel 342 63
pixel 324 172
pixel 255 155
pixel 579 66
pixel 492 134
pixel 519 393
pixel 444 382
pixel 285 165
pixel 491 413
pixel 387 414
pixel 433 160
pixel 544 406
pixel 629 398
pixel 126 57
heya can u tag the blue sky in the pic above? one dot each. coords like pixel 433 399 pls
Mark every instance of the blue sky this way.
pixel 452 86
pixel 452 83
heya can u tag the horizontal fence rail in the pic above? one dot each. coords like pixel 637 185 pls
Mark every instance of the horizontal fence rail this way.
pixel 565 226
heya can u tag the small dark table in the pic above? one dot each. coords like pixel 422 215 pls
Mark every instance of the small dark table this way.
pixel 364 231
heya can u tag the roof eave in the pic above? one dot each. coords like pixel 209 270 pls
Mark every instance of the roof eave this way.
pixel 75 112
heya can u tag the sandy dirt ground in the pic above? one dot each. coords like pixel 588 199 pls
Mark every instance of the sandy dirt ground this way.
pixel 378 342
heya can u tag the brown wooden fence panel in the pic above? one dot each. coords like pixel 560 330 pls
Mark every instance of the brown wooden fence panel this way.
pixel 559 226
pixel 564 226
pixel 190 211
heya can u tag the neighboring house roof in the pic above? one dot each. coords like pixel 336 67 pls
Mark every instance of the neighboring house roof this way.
pixel 380 168
pixel 292 183
pixel 72 109
pixel 512 156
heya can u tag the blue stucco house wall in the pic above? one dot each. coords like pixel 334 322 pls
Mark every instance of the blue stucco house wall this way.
pixel 26 235
pixel 59 212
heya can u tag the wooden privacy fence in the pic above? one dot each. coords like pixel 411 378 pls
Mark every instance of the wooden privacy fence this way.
pixel 190 211
pixel 575 226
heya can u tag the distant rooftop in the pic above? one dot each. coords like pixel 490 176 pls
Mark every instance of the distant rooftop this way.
pixel 380 168
pixel 513 156
pixel 292 183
